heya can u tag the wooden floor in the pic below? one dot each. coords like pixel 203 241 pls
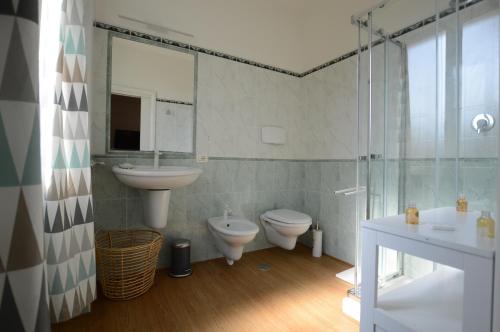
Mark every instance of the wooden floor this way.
pixel 299 293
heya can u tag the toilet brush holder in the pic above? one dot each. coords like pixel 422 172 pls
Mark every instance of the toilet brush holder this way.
pixel 317 242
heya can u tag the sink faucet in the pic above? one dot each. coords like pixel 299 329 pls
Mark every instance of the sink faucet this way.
pixel 156 163
pixel 227 211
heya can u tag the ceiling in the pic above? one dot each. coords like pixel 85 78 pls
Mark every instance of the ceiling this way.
pixel 291 34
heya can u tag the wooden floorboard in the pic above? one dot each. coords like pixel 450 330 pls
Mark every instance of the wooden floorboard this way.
pixel 299 293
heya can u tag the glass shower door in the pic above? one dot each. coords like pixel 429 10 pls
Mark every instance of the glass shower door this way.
pixel 380 78
pixel 423 78
pixel 385 150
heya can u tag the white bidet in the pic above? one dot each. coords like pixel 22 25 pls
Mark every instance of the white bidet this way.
pixel 231 234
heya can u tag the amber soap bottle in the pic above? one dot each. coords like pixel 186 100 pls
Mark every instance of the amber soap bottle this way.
pixel 412 215
pixel 486 225
pixel 462 204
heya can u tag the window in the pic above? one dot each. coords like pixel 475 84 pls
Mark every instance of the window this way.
pixel 480 62
pixel 426 87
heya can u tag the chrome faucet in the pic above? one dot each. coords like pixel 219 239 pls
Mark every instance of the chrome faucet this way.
pixel 94 163
pixel 227 211
pixel 483 122
pixel 156 163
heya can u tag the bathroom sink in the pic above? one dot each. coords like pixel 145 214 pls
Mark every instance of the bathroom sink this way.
pixel 162 178
pixel 156 184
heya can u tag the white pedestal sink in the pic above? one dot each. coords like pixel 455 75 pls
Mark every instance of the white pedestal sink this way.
pixel 157 183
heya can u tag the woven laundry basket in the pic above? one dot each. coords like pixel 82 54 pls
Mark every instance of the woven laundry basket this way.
pixel 126 261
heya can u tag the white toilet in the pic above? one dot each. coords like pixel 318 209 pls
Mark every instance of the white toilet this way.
pixel 231 234
pixel 283 227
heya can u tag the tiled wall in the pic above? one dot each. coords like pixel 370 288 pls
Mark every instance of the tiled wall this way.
pixel 476 180
pixel 177 121
pixel 99 72
pixel 234 101
pixel 330 104
pixel 336 214
pixel 249 187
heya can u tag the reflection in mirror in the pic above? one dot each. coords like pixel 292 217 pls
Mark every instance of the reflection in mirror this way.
pixel 176 123
pixel 132 119
pixel 125 127
pixel 151 97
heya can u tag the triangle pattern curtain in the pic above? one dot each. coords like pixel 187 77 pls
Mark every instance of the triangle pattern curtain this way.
pixel 68 216
pixel 23 291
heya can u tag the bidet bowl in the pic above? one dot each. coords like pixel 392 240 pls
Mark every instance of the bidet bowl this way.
pixel 231 234
pixel 234 230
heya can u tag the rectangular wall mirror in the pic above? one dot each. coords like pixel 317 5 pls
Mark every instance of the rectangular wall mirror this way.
pixel 151 97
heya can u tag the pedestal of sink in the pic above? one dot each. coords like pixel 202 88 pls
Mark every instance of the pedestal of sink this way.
pixel 155 205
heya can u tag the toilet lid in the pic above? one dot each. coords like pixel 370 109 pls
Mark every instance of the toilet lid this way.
pixel 288 216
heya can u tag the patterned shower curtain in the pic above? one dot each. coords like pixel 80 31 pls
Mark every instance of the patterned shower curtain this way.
pixel 68 216
pixel 23 291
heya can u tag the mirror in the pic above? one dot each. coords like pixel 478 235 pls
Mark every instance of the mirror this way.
pixel 150 97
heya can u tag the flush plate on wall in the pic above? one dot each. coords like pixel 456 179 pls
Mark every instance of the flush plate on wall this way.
pixel 273 135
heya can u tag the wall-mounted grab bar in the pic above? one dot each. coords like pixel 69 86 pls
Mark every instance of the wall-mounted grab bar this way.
pixel 349 191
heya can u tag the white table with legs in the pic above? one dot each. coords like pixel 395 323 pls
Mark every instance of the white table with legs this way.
pixel 455 297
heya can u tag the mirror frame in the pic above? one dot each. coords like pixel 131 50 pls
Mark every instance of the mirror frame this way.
pixel 109 86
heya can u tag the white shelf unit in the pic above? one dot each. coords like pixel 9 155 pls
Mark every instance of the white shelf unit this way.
pixel 456 297
pixel 433 303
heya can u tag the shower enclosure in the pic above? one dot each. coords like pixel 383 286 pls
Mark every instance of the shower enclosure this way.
pixel 427 78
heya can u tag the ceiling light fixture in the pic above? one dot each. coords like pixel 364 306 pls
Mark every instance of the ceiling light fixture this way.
pixel 156 27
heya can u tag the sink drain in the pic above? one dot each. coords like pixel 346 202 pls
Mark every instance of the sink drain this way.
pixel 264 267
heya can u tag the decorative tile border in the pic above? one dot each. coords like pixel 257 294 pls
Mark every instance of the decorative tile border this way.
pixel 394 35
pixel 432 19
pixel 171 101
pixel 331 62
pixel 149 154
pixel 166 41
pixel 343 57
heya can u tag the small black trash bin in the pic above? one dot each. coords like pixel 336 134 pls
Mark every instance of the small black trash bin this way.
pixel 181 259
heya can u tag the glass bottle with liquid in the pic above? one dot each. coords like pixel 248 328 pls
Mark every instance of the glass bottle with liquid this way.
pixel 486 225
pixel 491 229
pixel 462 204
pixel 412 215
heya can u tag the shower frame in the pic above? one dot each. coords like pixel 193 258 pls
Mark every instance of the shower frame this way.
pixel 364 22
pixel 367 25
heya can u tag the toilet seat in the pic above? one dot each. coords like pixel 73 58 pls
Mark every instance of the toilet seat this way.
pixel 283 227
pixel 287 217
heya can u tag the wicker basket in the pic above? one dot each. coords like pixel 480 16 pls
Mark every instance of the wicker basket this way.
pixel 126 262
